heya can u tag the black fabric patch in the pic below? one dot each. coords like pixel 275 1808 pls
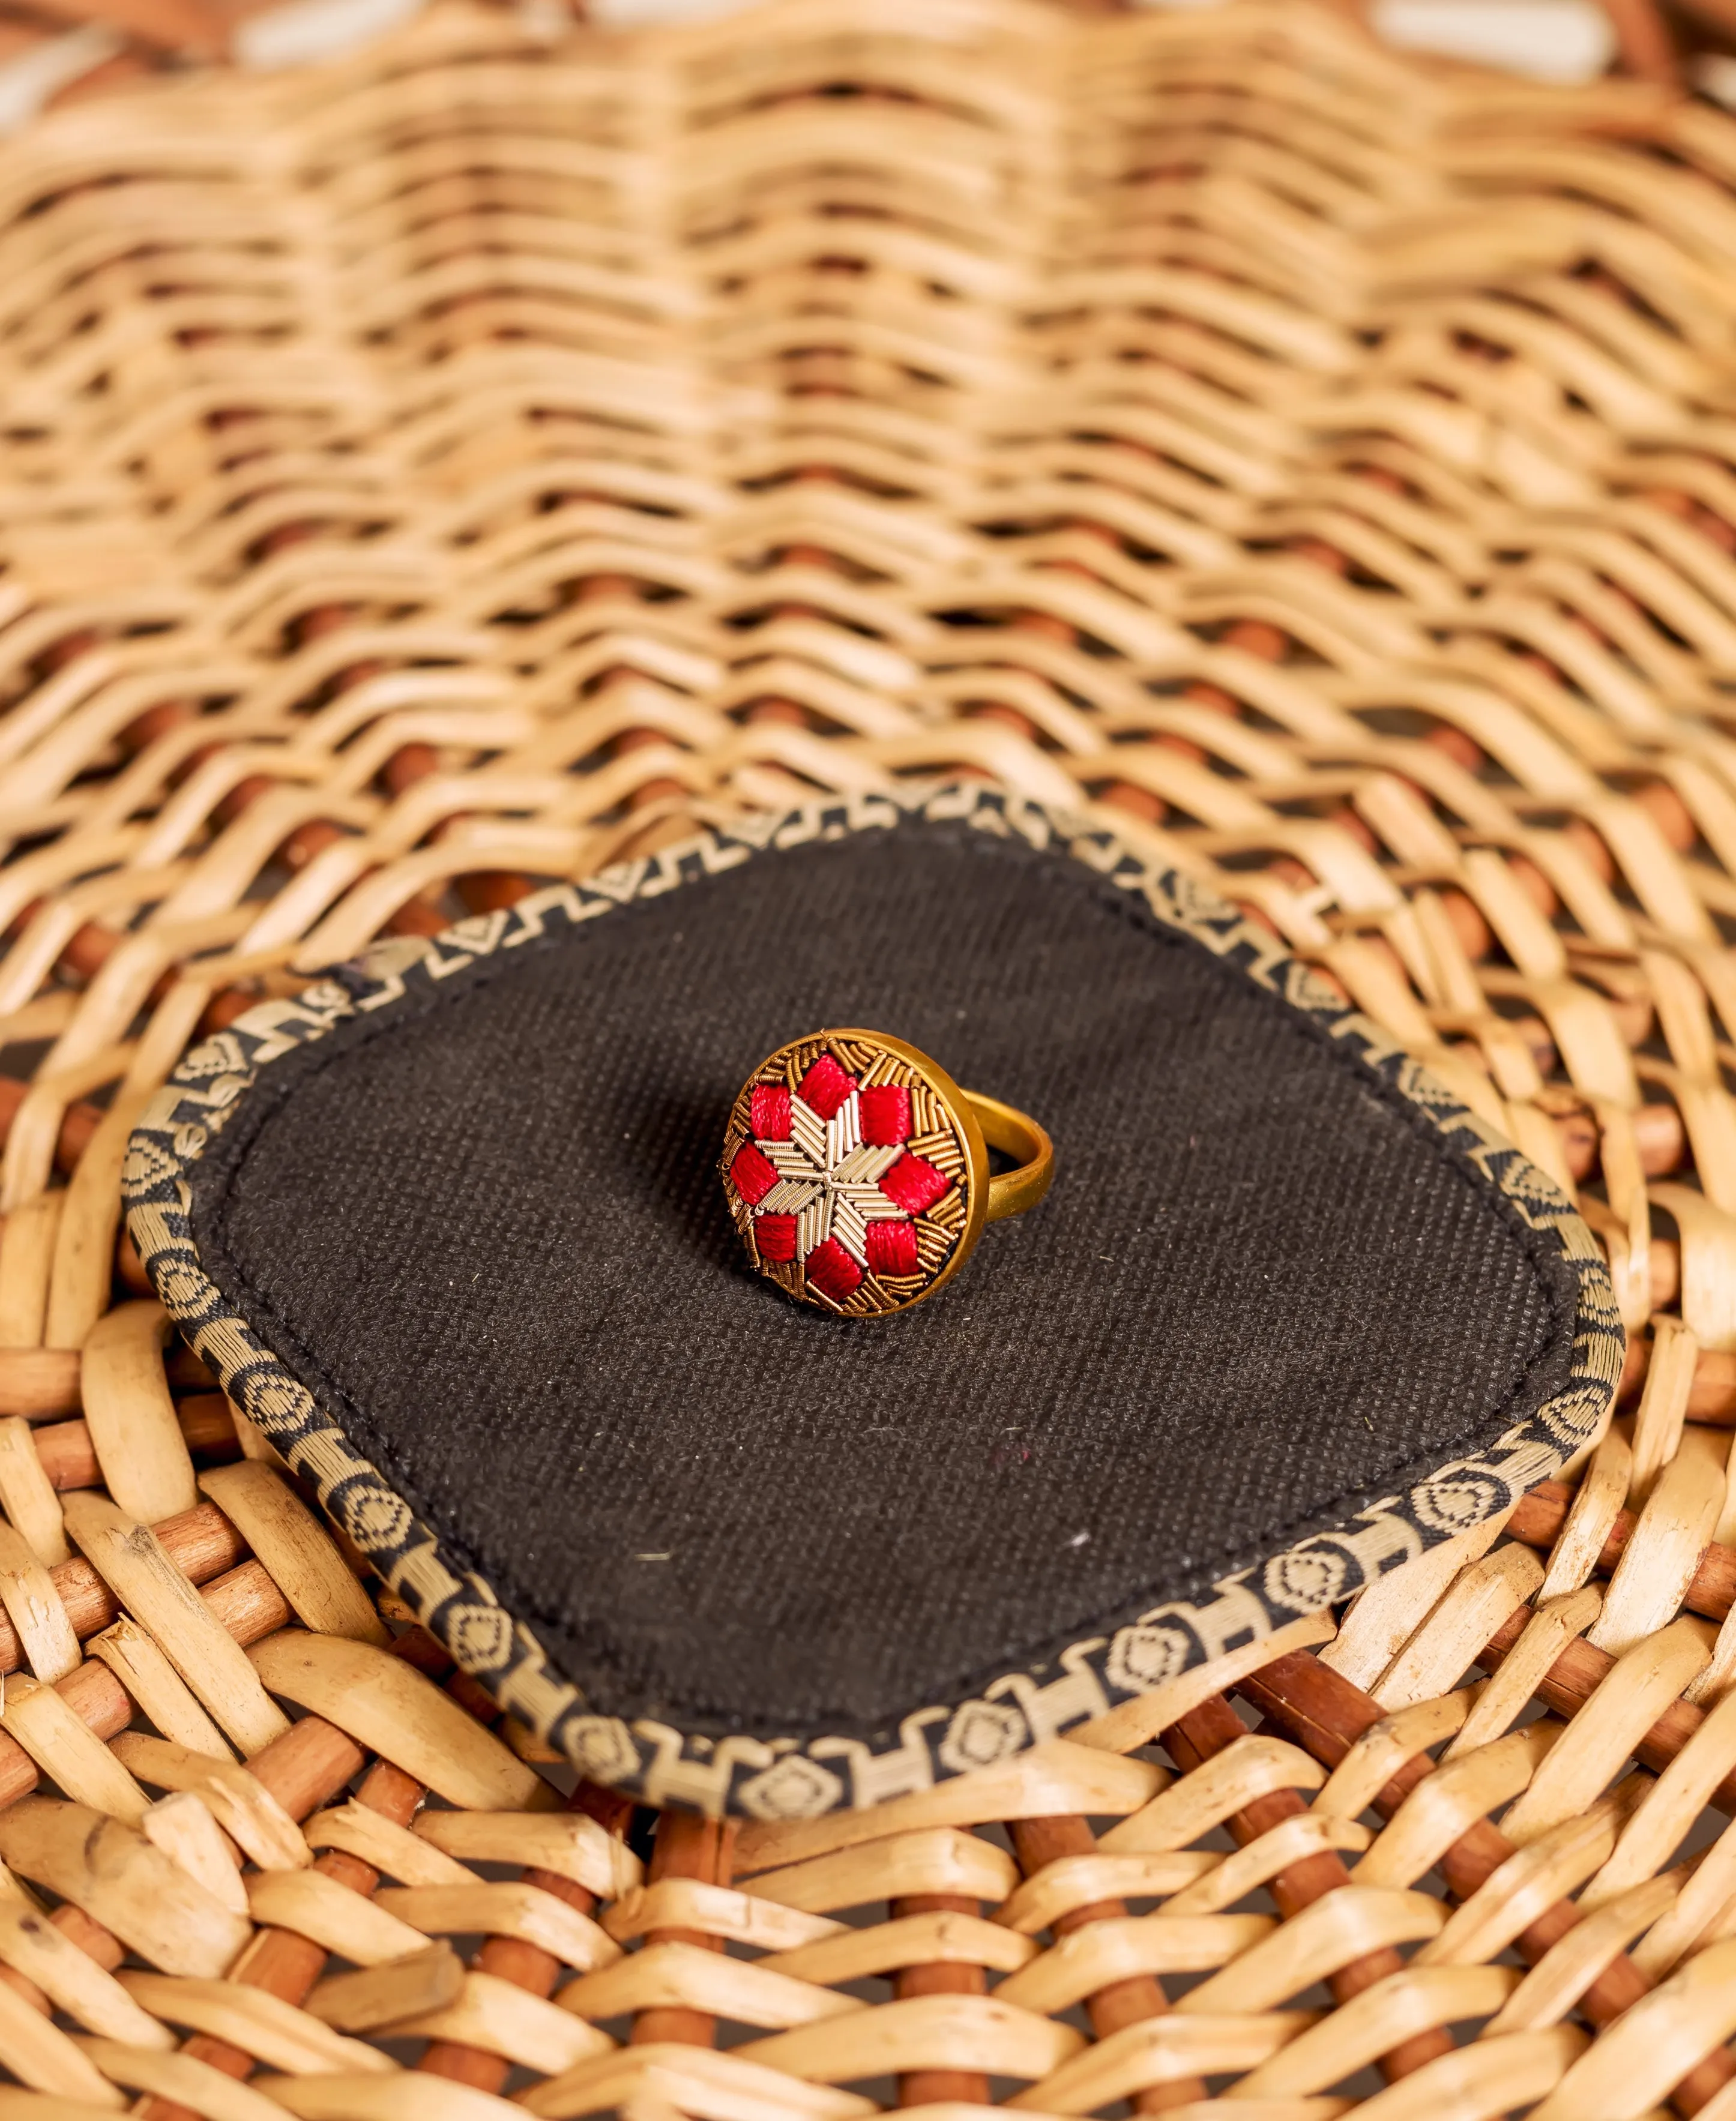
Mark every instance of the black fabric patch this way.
pixel 488 1232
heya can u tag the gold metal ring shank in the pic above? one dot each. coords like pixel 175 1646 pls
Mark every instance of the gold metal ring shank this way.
pixel 1014 1133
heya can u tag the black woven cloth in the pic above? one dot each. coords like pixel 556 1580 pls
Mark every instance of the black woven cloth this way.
pixel 484 1228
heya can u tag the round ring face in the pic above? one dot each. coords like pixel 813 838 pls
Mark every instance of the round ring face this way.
pixel 849 1167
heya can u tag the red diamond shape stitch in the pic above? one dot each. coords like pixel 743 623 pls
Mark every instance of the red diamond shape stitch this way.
pixel 775 1235
pixel 886 1113
pixel 751 1174
pixel 914 1184
pixel 832 1271
pixel 892 1248
pixel 768 1113
pixel 825 1087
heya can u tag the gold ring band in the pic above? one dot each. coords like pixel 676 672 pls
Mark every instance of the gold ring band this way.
pixel 858 1175
pixel 1017 1135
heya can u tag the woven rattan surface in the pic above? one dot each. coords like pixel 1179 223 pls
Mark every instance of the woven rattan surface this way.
pixel 481 464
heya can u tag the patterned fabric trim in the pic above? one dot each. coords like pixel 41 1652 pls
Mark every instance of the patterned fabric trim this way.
pixel 805 1777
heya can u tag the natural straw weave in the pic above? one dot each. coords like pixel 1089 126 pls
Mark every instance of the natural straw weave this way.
pixel 480 464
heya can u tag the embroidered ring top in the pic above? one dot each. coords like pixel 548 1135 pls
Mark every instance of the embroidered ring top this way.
pixel 858 1171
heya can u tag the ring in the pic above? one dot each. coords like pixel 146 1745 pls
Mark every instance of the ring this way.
pixel 858 1171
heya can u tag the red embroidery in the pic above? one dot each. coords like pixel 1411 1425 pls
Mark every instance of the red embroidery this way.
pixel 769 1113
pixel 824 1087
pixel 891 1247
pixel 914 1184
pixel 832 1271
pixel 824 1187
pixel 885 1111
pixel 750 1174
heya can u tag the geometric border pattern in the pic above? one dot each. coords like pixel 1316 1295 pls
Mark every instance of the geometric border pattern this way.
pixel 799 1777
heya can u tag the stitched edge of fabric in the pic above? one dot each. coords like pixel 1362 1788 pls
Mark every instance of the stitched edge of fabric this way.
pixel 987 1679
pixel 799 1776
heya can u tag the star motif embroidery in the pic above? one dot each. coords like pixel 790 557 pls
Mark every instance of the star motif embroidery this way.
pixel 831 1179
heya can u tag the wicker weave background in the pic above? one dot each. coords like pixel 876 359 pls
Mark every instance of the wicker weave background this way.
pixel 480 463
